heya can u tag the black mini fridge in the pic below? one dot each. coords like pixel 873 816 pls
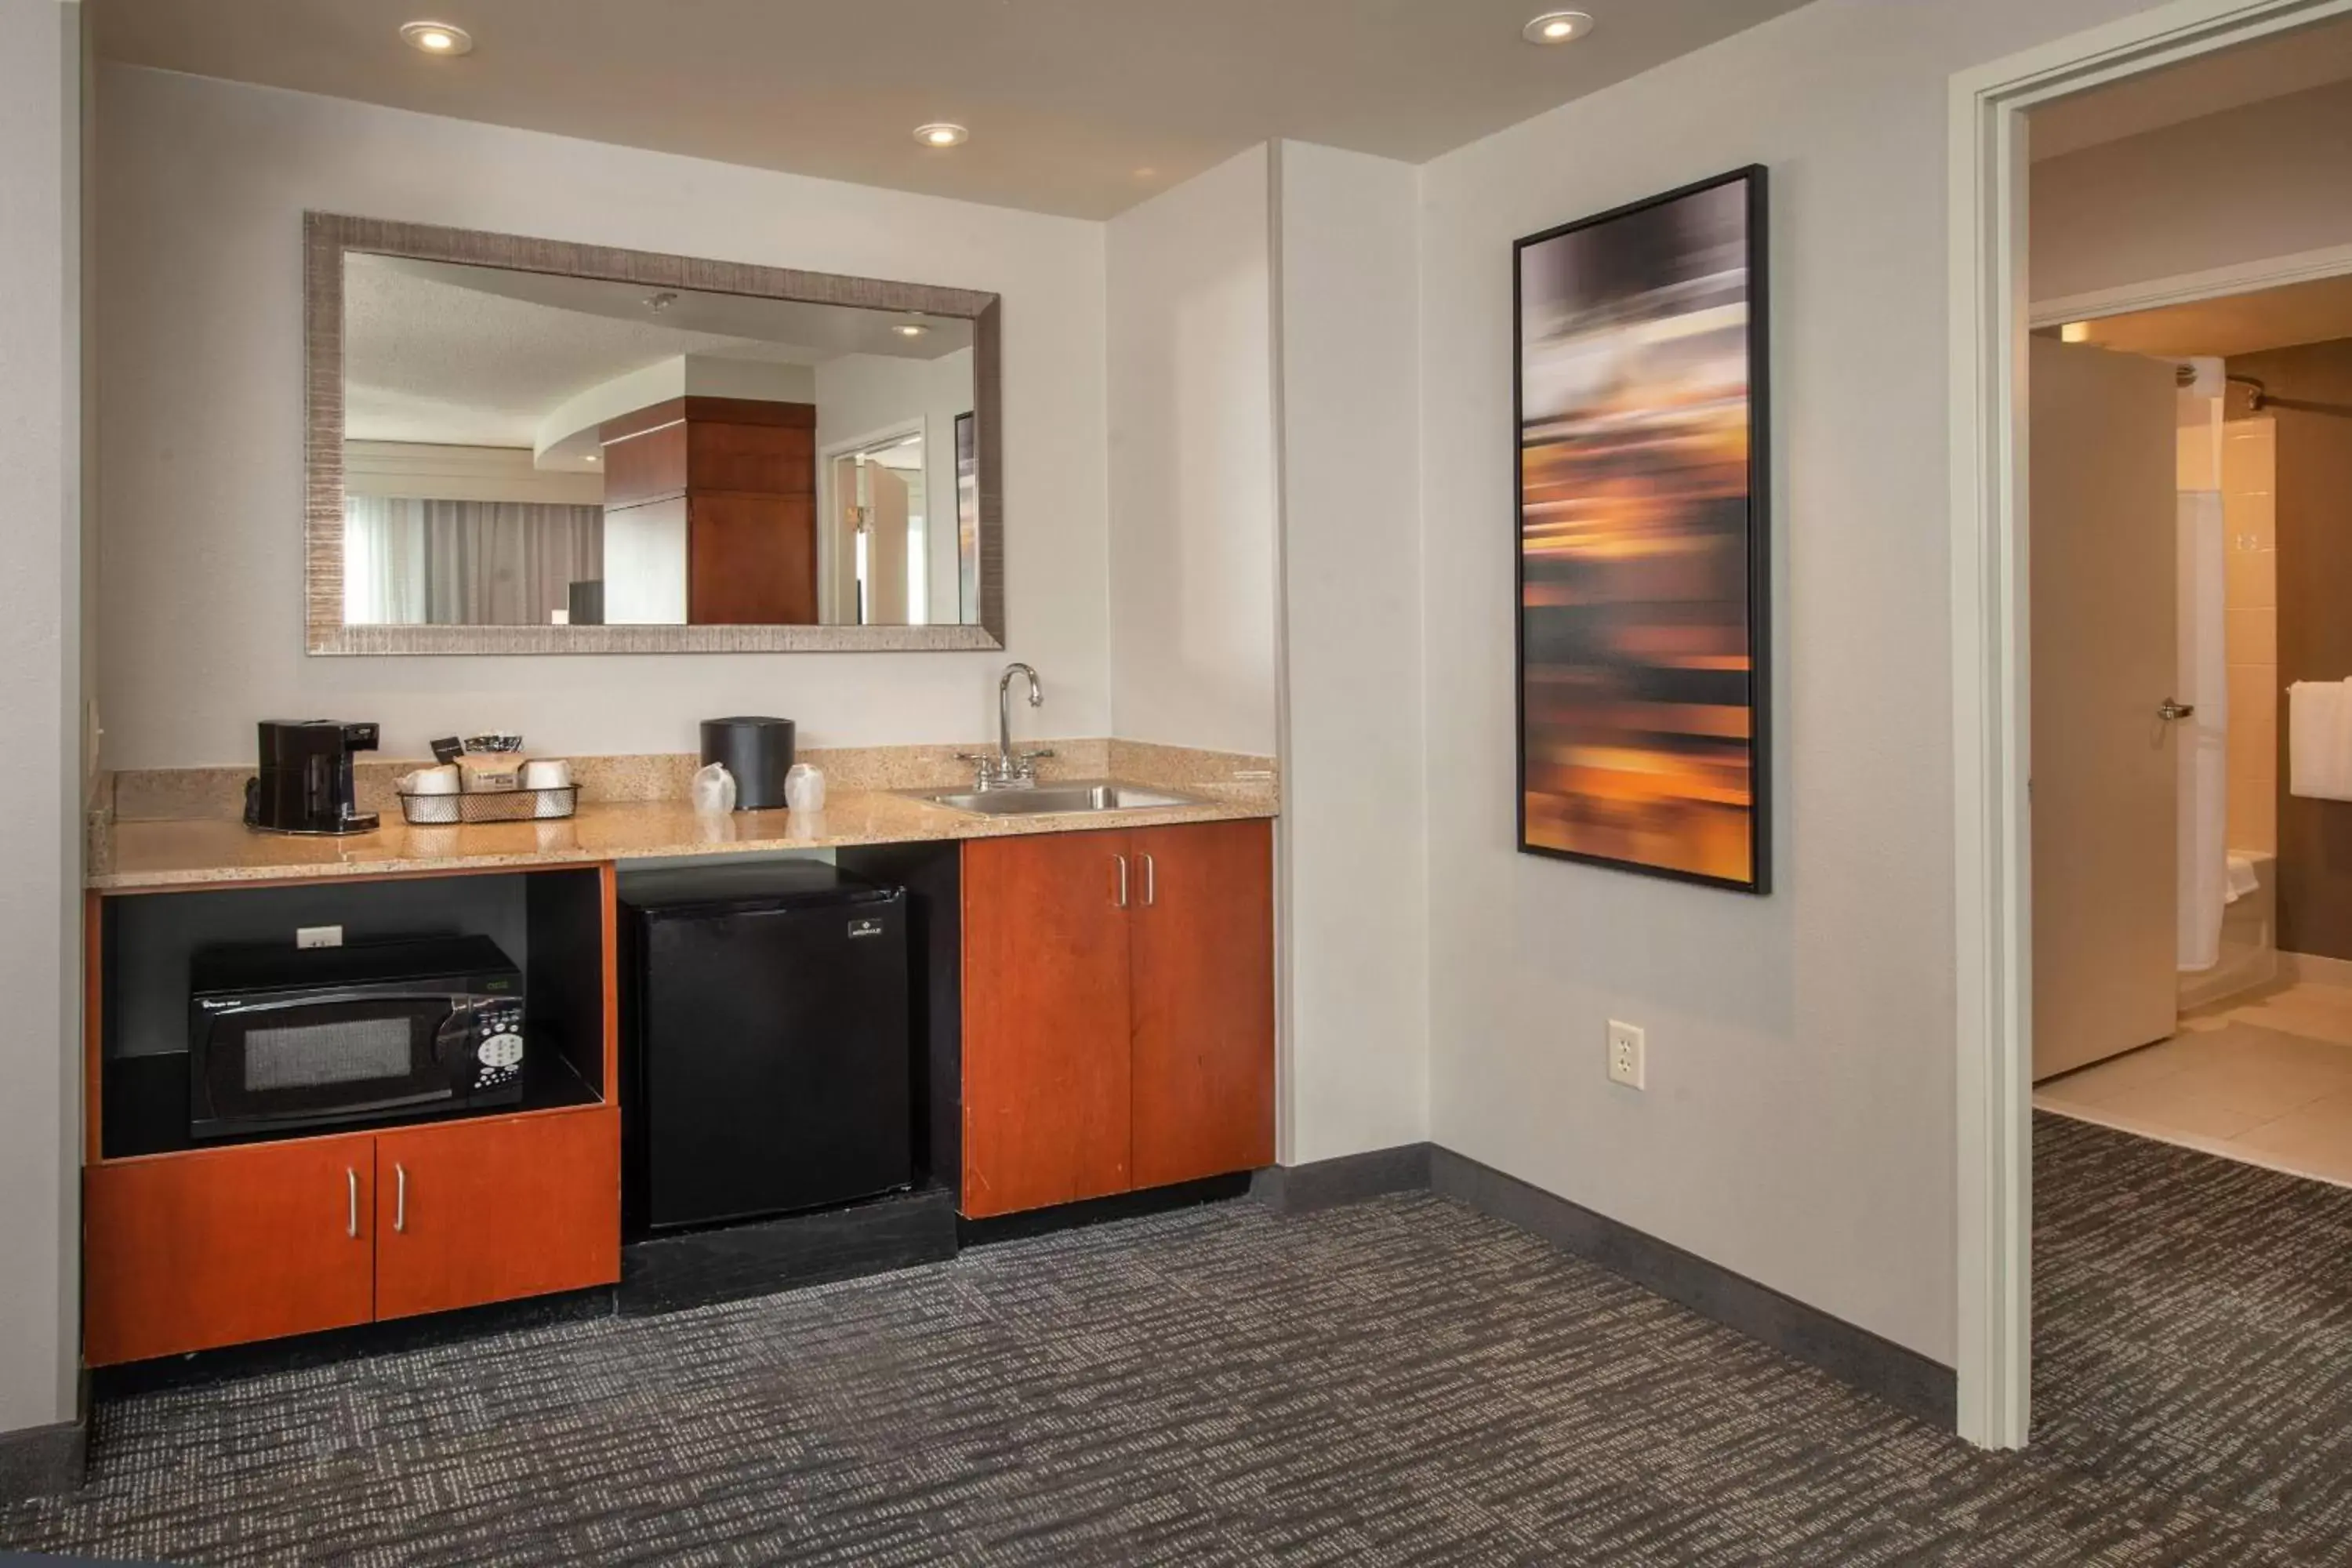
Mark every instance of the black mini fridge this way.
pixel 770 1052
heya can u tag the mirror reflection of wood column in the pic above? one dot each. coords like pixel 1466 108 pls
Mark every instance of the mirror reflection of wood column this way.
pixel 744 472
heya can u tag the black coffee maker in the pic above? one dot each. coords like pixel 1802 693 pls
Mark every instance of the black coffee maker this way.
pixel 305 783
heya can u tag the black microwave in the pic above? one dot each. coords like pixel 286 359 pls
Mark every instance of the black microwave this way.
pixel 281 1039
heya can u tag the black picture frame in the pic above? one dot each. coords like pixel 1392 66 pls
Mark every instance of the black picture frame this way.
pixel 1758 748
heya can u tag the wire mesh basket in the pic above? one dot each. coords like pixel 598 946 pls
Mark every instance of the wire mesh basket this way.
pixel 490 806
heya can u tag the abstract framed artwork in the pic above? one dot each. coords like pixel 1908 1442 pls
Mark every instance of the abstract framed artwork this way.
pixel 1644 580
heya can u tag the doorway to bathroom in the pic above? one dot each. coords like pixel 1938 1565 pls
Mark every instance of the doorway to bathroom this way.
pixel 2191 483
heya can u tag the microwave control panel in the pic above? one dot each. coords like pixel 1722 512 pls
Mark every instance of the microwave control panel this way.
pixel 497 1050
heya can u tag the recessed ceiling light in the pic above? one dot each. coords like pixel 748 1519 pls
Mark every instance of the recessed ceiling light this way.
pixel 1558 27
pixel 910 329
pixel 438 38
pixel 941 135
pixel 592 457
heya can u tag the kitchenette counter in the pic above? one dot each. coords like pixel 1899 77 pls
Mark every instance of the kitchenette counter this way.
pixel 196 851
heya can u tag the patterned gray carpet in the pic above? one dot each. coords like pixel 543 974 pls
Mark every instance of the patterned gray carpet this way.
pixel 1402 1382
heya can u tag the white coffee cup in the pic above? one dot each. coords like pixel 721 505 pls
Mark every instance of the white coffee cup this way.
pixel 547 772
pixel 441 780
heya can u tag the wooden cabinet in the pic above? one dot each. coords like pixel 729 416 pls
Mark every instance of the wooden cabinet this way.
pixel 1119 1012
pixel 1202 935
pixel 1046 1009
pixel 472 1212
pixel 183 1252
pixel 223 1247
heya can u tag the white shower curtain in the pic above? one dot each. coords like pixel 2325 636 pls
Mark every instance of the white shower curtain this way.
pixel 2203 738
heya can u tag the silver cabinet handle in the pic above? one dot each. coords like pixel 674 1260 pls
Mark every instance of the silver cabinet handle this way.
pixel 400 1198
pixel 1122 881
pixel 352 1188
pixel 1150 881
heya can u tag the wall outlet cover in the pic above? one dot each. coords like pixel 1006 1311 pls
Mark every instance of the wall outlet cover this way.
pixel 318 936
pixel 1627 1054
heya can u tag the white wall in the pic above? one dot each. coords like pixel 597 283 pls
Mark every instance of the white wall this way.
pixel 201 186
pixel 1193 465
pixel 40 652
pixel 1355 830
pixel 2247 185
pixel 1798 1124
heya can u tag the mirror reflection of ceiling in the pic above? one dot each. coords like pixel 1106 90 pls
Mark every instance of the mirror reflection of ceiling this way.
pixel 2317 312
pixel 475 356
pixel 1080 107
pixel 2296 60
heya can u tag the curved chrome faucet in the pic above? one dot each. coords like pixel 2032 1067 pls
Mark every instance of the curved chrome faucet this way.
pixel 1008 769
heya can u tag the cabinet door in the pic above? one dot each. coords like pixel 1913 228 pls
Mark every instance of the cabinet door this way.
pixel 187 1252
pixel 469 1211
pixel 1203 946
pixel 1045 1021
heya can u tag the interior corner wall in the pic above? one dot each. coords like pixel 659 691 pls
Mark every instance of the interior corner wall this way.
pixel 40 841
pixel 1193 549
pixel 2312 505
pixel 1800 1126
pixel 2251 183
pixel 1356 816
pixel 201 187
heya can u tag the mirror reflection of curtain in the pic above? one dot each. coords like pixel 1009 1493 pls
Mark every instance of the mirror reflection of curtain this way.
pixel 464 562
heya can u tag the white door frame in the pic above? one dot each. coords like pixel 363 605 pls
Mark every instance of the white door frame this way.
pixel 1990 661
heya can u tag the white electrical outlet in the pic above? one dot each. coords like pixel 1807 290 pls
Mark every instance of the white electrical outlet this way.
pixel 318 936
pixel 1626 1050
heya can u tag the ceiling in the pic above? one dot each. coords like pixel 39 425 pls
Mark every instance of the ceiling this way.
pixel 479 356
pixel 2314 312
pixel 1078 107
pixel 2293 62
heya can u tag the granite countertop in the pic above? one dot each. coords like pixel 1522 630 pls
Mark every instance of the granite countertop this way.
pixel 130 855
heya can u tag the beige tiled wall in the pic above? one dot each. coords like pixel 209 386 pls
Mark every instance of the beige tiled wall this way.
pixel 2248 466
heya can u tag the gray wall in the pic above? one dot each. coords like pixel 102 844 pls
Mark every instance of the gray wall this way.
pixel 2313 385
pixel 1799 1122
pixel 40 694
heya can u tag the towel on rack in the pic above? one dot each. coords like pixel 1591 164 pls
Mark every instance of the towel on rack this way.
pixel 2319 739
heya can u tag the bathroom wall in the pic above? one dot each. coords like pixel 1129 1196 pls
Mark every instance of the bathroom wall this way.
pixel 2247 185
pixel 201 188
pixel 2311 391
pixel 2250 635
pixel 1192 481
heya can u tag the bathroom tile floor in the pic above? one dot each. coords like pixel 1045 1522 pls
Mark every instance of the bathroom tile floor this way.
pixel 2265 1079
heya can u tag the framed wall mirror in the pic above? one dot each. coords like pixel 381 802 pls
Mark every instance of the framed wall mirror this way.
pixel 523 445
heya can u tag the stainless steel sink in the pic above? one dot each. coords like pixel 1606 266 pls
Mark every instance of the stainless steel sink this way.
pixel 1057 799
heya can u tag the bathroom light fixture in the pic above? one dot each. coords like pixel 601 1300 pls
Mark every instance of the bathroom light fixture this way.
pixel 939 134
pixel 910 329
pixel 438 38
pixel 1558 27
pixel 2074 332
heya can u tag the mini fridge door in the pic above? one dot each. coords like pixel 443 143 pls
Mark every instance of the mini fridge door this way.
pixel 774 1057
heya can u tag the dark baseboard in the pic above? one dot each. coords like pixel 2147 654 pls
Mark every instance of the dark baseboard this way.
pixel 1351 1178
pixel 1896 1373
pixel 703 1268
pixel 1101 1211
pixel 43 1461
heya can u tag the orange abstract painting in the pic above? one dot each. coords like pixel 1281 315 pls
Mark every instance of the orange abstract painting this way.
pixel 1642 557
